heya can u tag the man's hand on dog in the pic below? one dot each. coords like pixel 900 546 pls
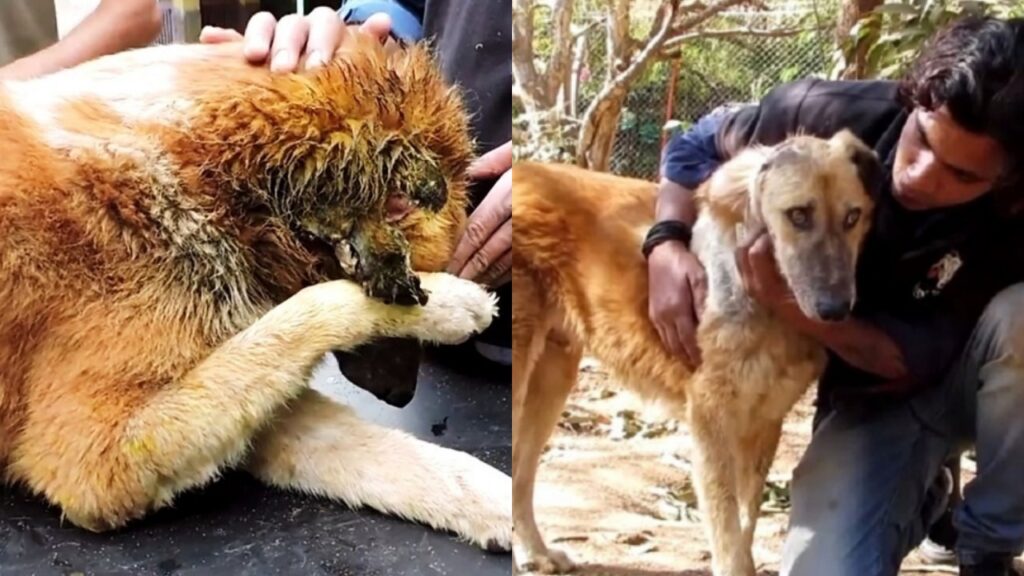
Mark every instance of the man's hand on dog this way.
pixel 755 260
pixel 677 294
pixel 316 36
pixel 484 253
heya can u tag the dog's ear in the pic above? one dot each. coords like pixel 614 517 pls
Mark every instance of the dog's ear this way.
pixel 869 168
pixel 784 154
pixel 731 190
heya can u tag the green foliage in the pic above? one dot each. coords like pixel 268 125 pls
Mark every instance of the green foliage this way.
pixel 711 72
pixel 897 30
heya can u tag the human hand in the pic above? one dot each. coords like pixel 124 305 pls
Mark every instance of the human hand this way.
pixel 315 37
pixel 676 296
pixel 759 273
pixel 484 253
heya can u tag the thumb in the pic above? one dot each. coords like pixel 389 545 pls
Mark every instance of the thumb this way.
pixel 494 163
pixel 377 25
pixel 214 35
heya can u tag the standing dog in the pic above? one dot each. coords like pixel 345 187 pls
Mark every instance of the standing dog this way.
pixel 580 283
pixel 183 237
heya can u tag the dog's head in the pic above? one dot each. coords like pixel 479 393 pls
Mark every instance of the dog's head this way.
pixel 375 134
pixel 814 197
pixel 403 135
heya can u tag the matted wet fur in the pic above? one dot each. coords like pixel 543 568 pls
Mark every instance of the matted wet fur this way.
pixel 184 238
pixel 580 284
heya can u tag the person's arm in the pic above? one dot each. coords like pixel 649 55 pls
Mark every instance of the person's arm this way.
pixel 901 350
pixel 689 159
pixel 114 26
pixel 859 343
pixel 406 15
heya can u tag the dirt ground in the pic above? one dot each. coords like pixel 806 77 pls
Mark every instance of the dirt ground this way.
pixel 614 490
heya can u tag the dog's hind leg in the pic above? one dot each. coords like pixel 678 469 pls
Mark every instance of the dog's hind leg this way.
pixel 543 372
pixel 318 446
pixel 755 459
pixel 553 377
pixel 106 460
pixel 715 475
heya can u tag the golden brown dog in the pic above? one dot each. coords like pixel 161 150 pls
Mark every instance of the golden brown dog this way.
pixel 185 236
pixel 580 284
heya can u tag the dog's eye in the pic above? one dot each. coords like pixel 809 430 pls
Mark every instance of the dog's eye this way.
pixel 852 217
pixel 800 217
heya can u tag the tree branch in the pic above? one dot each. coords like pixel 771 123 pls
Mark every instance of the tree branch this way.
pixel 689 23
pixel 621 81
pixel 732 33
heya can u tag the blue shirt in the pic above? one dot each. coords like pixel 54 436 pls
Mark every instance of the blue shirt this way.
pixel 406 21
pixel 691 157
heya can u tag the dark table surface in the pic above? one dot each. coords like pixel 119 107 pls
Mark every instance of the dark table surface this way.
pixel 238 527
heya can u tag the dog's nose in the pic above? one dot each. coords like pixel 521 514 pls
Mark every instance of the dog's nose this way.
pixel 833 309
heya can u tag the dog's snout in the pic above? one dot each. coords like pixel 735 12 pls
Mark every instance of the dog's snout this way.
pixel 833 309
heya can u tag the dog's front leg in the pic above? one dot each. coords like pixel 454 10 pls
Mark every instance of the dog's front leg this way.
pixel 715 475
pixel 194 427
pixel 318 446
pixel 756 459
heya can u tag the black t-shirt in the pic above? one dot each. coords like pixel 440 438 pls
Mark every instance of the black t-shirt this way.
pixel 924 277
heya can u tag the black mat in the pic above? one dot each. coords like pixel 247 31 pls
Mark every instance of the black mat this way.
pixel 238 527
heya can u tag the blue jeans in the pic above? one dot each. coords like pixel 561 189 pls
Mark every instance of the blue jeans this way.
pixel 863 494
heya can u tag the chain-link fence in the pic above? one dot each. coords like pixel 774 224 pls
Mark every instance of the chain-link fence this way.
pixel 754 50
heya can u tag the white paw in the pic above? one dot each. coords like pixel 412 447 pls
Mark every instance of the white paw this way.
pixel 456 310
pixel 550 561
pixel 485 506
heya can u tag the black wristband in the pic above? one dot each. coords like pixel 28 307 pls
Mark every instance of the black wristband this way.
pixel 666 230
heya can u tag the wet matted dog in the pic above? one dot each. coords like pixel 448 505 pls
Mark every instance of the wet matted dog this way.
pixel 185 236
pixel 580 285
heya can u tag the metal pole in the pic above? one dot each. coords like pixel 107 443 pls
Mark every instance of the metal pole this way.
pixel 301 7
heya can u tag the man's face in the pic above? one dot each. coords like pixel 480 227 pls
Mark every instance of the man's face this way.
pixel 939 164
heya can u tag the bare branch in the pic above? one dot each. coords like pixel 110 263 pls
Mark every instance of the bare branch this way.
pixel 688 23
pixel 587 28
pixel 731 34
pixel 617 84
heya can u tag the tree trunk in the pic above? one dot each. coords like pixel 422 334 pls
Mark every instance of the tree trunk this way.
pixel 600 129
pixel 600 121
pixel 560 65
pixel 850 13
pixel 533 89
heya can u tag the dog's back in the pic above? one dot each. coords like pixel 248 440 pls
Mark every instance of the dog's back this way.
pixel 578 269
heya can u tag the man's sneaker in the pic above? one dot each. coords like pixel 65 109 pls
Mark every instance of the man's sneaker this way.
pixel 939 547
pixel 934 552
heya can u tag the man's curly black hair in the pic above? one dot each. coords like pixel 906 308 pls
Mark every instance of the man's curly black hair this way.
pixel 975 67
